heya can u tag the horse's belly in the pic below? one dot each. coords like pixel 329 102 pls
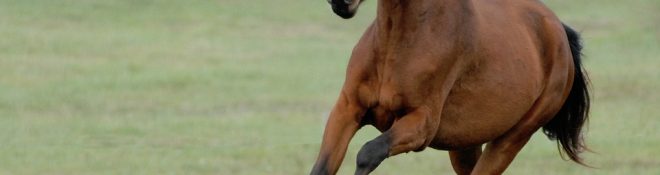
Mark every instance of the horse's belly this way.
pixel 480 110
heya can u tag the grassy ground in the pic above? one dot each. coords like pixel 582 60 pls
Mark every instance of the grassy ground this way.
pixel 238 87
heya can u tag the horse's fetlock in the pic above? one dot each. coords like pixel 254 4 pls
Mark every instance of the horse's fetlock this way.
pixel 373 153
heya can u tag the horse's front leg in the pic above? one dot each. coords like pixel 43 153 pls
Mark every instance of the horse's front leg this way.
pixel 342 124
pixel 412 132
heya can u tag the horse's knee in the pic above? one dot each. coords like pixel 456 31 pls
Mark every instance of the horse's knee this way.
pixel 372 154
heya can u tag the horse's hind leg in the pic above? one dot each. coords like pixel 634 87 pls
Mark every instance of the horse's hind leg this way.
pixel 410 133
pixel 464 160
pixel 500 152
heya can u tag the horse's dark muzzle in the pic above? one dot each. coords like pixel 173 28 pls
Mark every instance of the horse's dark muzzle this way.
pixel 343 8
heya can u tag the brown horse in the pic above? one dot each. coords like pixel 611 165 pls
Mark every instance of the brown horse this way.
pixel 454 75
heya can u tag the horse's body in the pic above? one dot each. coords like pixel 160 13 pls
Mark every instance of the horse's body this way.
pixel 456 74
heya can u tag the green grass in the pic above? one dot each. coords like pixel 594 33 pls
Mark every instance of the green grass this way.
pixel 238 87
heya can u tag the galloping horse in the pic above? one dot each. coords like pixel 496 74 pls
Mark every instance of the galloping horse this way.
pixel 455 75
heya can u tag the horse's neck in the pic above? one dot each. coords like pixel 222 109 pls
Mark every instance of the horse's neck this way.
pixel 398 17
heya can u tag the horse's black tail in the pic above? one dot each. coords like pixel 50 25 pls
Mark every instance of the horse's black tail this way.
pixel 566 126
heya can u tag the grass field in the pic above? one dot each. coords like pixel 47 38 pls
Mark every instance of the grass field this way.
pixel 243 87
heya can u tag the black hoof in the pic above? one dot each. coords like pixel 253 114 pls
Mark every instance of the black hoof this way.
pixel 372 154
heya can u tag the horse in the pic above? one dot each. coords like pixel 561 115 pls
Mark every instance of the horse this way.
pixel 455 75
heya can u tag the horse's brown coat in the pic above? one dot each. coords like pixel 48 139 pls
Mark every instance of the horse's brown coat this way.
pixel 453 75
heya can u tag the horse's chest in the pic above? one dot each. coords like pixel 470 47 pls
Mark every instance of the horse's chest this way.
pixel 389 102
pixel 393 89
pixel 395 95
pixel 390 97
